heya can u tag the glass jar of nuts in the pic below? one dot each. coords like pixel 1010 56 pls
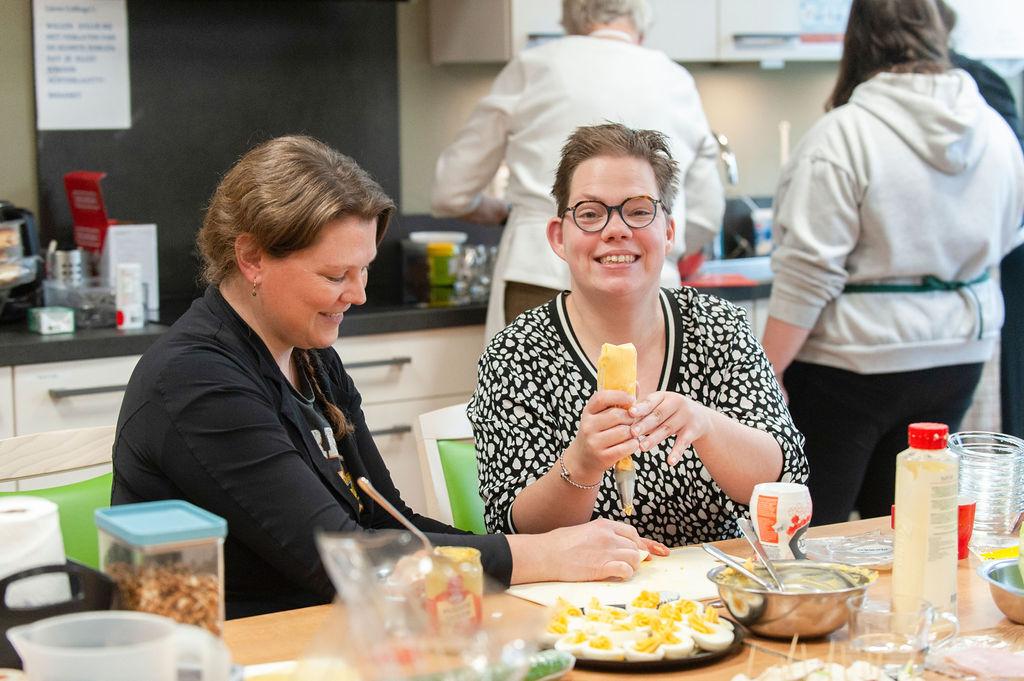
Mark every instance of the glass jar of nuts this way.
pixel 167 558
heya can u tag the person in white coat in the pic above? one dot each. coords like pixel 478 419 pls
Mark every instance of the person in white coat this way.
pixel 598 73
pixel 891 219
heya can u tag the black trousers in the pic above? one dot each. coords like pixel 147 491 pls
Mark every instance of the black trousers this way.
pixel 1011 358
pixel 856 424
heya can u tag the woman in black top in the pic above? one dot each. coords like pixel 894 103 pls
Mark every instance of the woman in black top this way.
pixel 244 409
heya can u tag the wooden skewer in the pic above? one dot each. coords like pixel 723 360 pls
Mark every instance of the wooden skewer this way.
pixel 792 649
pixel 750 662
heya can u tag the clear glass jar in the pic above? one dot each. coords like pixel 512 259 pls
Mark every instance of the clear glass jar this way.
pixel 992 474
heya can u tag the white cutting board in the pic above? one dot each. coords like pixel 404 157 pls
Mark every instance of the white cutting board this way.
pixel 683 571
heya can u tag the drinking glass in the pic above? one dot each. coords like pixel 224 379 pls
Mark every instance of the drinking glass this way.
pixel 892 634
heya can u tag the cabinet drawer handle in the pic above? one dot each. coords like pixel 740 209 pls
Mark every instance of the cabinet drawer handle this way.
pixel 77 392
pixel 764 39
pixel 393 430
pixel 394 361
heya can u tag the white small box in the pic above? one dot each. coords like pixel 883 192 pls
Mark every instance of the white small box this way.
pixel 133 244
pixel 48 320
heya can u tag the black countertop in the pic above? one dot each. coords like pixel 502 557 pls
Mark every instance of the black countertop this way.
pixel 20 346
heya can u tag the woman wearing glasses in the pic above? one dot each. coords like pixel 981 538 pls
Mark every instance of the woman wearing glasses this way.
pixel 710 421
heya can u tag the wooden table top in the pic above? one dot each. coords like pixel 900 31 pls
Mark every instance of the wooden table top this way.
pixel 285 635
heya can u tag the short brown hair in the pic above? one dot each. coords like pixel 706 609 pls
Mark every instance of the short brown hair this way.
pixel 616 140
pixel 283 192
pixel 902 36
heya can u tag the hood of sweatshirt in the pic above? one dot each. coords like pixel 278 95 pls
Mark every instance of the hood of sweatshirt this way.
pixel 937 115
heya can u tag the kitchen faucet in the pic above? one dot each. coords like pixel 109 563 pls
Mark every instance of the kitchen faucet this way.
pixel 732 169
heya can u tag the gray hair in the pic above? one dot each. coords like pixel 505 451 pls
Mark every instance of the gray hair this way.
pixel 580 16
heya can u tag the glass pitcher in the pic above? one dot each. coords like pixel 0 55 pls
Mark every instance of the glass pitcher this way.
pixel 991 474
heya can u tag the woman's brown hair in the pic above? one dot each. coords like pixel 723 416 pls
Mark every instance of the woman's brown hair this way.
pixel 902 36
pixel 616 140
pixel 283 193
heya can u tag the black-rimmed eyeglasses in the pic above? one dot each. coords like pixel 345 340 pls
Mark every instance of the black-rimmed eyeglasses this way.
pixel 592 216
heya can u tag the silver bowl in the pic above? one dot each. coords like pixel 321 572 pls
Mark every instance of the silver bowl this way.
pixel 815 607
pixel 1007 587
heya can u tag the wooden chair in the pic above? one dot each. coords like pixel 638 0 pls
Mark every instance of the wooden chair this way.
pixel 444 439
pixel 71 468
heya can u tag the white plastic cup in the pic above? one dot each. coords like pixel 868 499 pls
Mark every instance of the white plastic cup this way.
pixel 780 513
pixel 117 645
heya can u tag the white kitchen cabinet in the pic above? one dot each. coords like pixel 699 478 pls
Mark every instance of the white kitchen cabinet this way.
pixel 989 29
pixel 489 30
pixel 464 31
pixel 495 30
pixel 403 375
pixel 75 394
pixel 6 403
pixel 400 376
pixel 781 30
pixel 685 30
pixel 391 367
pixel 7 416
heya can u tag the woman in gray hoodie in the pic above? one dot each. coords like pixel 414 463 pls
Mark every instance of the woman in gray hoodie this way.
pixel 890 219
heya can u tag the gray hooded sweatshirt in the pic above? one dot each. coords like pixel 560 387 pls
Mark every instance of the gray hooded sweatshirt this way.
pixel 914 177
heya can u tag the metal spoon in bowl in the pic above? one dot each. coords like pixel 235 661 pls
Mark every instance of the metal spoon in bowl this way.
pixel 367 487
pixel 736 565
pixel 748 531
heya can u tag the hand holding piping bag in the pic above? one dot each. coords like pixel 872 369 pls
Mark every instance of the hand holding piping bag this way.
pixel 616 370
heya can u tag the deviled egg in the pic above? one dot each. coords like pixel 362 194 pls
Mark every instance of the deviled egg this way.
pixel 572 643
pixel 710 637
pixel 625 631
pixel 647 649
pixel 711 617
pixel 602 648
pixel 677 645
pixel 558 626
pixel 564 607
pixel 646 602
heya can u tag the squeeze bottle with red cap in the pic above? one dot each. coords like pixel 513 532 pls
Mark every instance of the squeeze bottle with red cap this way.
pixel 925 561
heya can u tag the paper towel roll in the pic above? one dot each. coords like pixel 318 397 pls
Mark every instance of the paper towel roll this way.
pixel 30 537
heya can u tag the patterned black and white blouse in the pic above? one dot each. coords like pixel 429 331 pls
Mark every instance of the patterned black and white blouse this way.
pixel 534 381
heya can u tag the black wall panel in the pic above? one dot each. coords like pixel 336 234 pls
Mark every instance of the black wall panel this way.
pixel 210 79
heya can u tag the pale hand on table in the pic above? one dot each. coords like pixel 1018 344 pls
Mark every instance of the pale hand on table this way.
pixel 663 414
pixel 598 550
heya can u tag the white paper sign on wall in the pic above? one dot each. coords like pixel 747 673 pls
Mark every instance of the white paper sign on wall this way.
pixel 81 64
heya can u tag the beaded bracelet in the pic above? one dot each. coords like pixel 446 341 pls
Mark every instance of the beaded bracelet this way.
pixel 565 476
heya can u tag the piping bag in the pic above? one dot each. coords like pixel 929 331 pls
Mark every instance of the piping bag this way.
pixel 616 370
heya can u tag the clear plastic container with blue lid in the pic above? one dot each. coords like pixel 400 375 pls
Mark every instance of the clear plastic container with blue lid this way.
pixel 167 558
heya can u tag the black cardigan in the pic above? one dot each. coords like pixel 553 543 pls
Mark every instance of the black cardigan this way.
pixel 207 417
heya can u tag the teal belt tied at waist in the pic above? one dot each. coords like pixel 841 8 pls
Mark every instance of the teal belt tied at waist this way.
pixel 928 284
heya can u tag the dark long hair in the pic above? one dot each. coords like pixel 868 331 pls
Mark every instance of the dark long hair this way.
pixel 902 36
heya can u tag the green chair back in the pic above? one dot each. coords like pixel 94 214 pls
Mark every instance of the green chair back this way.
pixel 458 462
pixel 76 504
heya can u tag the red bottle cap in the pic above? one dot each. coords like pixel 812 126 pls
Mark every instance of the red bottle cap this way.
pixel 927 435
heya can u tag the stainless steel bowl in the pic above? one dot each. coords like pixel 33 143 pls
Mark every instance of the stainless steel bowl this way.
pixel 816 606
pixel 1007 587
